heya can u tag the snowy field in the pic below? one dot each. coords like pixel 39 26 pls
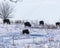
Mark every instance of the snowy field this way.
pixel 11 37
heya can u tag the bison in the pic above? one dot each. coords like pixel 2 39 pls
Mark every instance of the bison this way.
pixel 58 23
pixel 6 21
pixel 41 23
pixel 26 31
pixel 27 24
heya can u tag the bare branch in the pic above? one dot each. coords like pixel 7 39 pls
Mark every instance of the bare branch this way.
pixel 5 9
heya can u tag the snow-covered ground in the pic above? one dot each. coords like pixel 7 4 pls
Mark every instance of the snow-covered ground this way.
pixel 11 37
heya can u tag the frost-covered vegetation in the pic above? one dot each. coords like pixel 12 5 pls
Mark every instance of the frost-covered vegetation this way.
pixel 11 36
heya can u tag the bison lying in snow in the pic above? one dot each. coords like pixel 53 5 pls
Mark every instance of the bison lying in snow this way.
pixel 41 23
pixel 26 31
pixel 27 24
pixel 6 21
pixel 58 23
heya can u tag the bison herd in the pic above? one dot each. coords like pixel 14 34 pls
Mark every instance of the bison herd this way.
pixel 28 24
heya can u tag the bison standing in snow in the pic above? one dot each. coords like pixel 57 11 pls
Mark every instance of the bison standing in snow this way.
pixel 6 21
pixel 27 24
pixel 57 23
pixel 26 31
pixel 41 23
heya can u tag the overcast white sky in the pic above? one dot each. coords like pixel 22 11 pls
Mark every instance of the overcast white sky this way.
pixel 47 10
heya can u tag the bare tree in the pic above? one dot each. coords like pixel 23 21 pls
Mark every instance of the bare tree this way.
pixel 5 10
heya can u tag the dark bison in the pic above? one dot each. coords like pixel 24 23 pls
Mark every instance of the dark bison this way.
pixel 27 24
pixel 26 31
pixel 41 22
pixel 58 23
pixel 6 21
